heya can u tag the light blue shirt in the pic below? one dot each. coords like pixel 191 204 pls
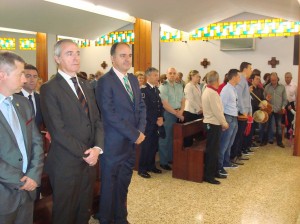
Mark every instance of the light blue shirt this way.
pixel 173 94
pixel 229 99
pixel 18 134
pixel 244 98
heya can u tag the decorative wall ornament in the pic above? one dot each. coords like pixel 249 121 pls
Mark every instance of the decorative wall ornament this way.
pixel 104 65
pixel 7 43
pixel 205 63
pixel 116 37
pixel 27 44
pixel 273 62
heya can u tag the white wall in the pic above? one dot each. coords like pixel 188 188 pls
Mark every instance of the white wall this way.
pixel 187 56
pixel 28 55
pixel 92 58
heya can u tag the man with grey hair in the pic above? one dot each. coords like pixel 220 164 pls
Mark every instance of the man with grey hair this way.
pixel 214 121
pixel 173 100
pixel 71 115
pixel 154 112
pixel 278 99
pixel 21 149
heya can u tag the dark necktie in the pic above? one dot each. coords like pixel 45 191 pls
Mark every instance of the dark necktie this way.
pixel 80 96
pixel 31 102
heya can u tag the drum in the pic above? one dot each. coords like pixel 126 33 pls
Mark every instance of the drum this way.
pixel 260 116
pixel 266 118
pixel 267 106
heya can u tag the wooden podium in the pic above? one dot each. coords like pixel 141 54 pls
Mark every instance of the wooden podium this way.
pixel 188 162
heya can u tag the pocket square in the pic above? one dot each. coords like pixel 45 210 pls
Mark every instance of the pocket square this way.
pixel 28 122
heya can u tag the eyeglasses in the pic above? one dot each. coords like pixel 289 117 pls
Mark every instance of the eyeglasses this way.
pixel 31 76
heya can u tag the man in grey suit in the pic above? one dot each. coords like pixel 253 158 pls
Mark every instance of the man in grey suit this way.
pixel 72 118
pixel 21 152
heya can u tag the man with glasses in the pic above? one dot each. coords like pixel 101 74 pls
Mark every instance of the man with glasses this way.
pixel 28 91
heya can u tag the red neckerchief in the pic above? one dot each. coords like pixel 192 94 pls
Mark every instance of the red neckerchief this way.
pixel 211 87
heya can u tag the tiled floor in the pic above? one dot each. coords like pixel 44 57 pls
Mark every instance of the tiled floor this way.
pixel 266 190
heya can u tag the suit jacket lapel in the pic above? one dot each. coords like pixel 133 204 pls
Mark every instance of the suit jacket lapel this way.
pixel 8 128
pixel 65 86
pixel 21 115
pixel 121 86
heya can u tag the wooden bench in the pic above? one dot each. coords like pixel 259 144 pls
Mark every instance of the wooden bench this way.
pixel 188 162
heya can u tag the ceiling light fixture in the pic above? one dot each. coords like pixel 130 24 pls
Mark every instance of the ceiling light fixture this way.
pixel 16 30
pixel 87 6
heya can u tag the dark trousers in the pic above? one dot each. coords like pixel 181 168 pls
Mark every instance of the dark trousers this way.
pixel 115 179
pixel 23 214
pixel 213 133
pixel 290 118
pixel 149 148
pixel 188 116
pixel 278 119
pixel 72 195
pixel 236 149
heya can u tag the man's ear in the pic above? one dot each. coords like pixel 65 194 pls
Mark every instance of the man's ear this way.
pixel 2 74
pixel 56 60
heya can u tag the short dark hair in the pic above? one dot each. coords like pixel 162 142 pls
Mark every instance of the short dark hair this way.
pixel 244 65
pixel 8 59
pixel 30 67
pixel 150 70
pixel 114 47
pixel 232 73
pixel 253 75
pixel 266 76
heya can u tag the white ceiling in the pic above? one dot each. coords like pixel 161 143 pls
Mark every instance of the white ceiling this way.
pixel 41 16
pixel 187 15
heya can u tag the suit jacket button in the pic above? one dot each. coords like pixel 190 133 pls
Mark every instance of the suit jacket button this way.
pixel 16 188
pixel 20 159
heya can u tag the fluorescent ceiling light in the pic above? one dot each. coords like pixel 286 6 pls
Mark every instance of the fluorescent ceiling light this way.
pixel 90 7
pixel 72 38
pixel 167 28
pixel 17 31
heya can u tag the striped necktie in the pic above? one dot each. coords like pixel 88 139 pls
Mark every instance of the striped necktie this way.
pixel 127 86
pixel 80 95
pixel 14 123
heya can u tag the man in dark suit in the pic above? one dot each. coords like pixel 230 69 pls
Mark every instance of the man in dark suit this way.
pixel 149 147
pixel 21 149
pixel 72 118
pixel 28 90
pixel 124 118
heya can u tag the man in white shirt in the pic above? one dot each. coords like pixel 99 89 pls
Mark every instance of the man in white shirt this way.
pixel 291 93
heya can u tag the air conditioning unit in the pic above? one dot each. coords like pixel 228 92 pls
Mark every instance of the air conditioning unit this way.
pixel 242 44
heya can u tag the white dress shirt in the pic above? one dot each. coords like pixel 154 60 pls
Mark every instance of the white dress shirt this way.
pixel 70 82
pixel 26 94
pixel 291 91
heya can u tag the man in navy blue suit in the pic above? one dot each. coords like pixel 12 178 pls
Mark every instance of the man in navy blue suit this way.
pixel 124 118
pixel 28 90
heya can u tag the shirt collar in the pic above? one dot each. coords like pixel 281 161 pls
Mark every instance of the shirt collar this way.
pixel 26 94
pixel 66 76
pixel 119 74
pixel 152 86
pixel 2 98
